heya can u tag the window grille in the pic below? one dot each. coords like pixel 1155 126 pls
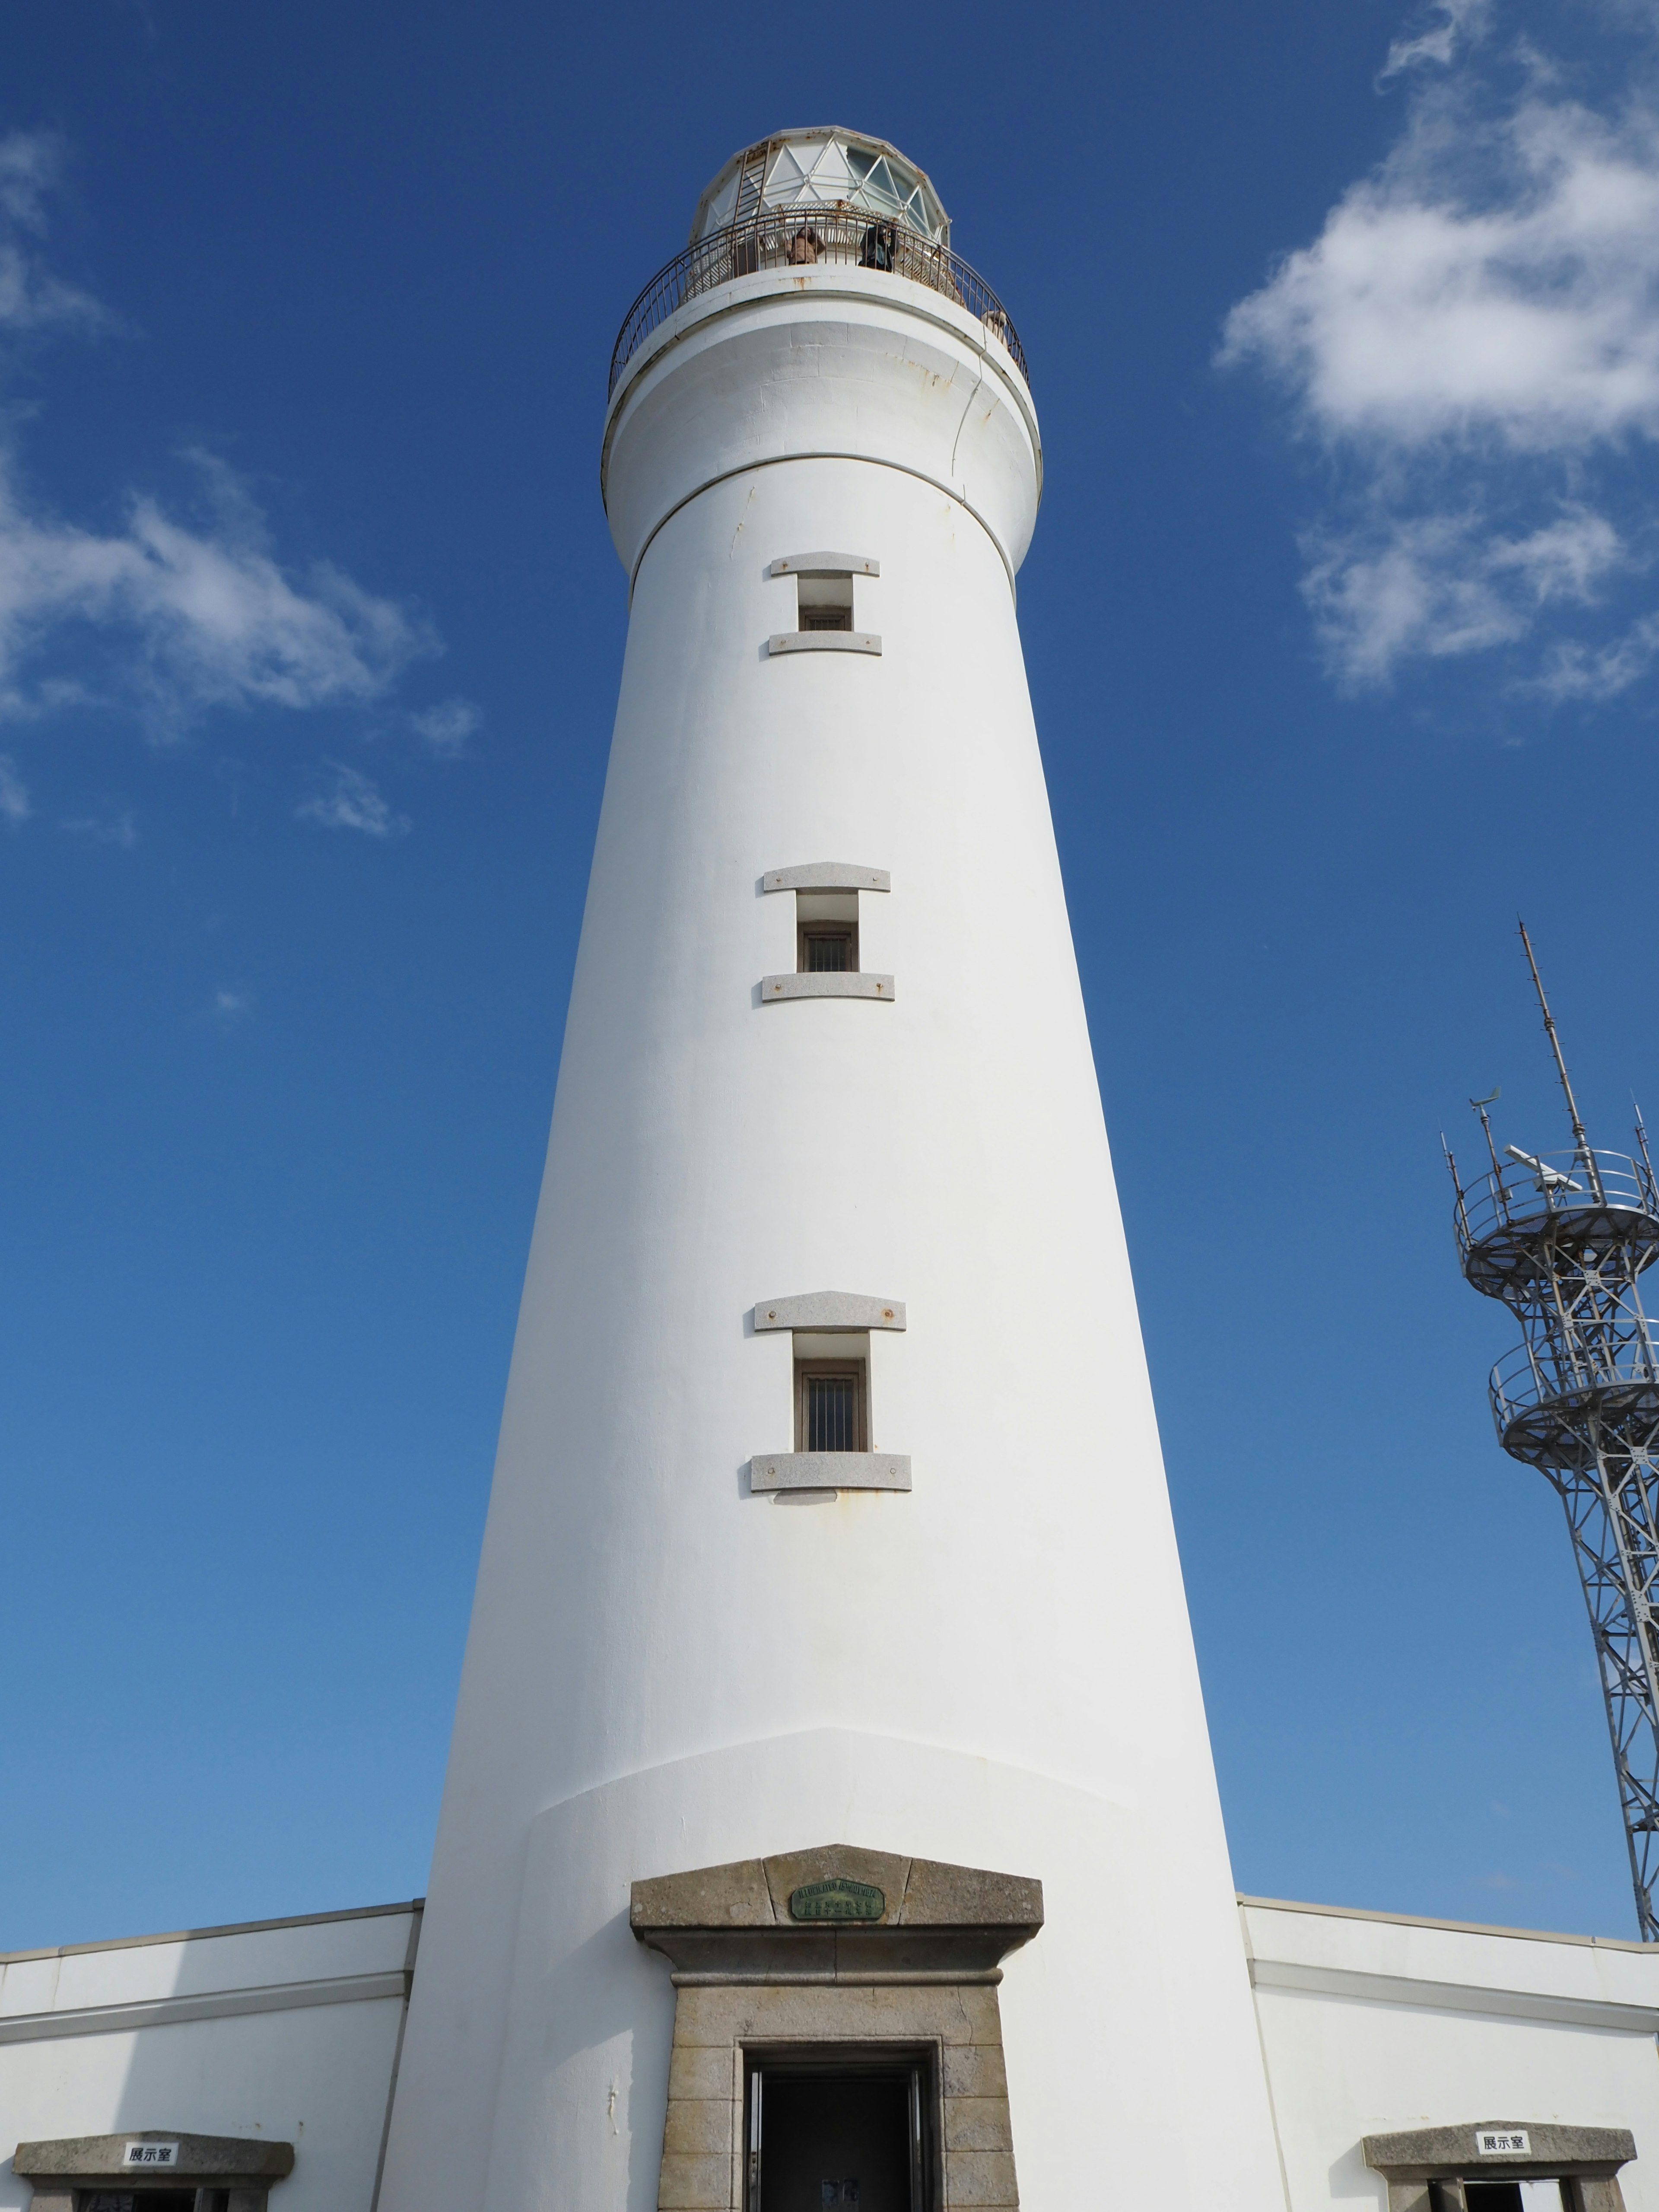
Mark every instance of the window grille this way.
pixel 830 1407
pixel 831 950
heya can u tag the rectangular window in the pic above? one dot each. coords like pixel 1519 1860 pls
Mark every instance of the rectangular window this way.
pixel 828 951
pixel 830 1412
pixel 825 602
pixel 827 932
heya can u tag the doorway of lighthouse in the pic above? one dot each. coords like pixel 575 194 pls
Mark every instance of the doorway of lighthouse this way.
pixel 848 2131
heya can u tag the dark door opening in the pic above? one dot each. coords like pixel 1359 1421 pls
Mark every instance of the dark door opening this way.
pixel 1502 2196
pixel 146 2200
pixel 843 2135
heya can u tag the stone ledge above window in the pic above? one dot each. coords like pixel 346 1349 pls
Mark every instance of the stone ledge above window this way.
pixel 827 876
pixel 829 1471
pixel 823 640
pixel 824 565
pixel 829 983
pixel 244 2169
pixel 831 1309
pixel 1588 2158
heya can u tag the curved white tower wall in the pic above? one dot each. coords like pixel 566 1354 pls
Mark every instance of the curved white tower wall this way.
pixel 668 1665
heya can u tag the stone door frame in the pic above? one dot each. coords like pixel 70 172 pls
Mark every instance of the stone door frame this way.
pixel 913 1976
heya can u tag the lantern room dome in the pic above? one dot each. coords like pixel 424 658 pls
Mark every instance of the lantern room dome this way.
pixel 824 167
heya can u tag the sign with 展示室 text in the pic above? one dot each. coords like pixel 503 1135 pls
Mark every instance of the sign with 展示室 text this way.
pixel 1502 2143
pixel 156 2156
pixel 836 1898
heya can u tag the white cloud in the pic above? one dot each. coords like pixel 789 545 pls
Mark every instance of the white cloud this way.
pixel 230 1008
pixel 15 807
pixel 196 617
pixel 1438 585
pixel 31 297
pixel 353 802
pixel 445 727
pixel 1489 283
pixel 1573 670
pixel 1472 341
pixel 1460 21
pixel 106 828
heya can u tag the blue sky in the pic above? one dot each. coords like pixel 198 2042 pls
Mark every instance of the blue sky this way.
pixel 1342 621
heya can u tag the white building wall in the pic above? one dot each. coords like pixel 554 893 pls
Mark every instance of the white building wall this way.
pixel 1372 2024
pixel 285 2032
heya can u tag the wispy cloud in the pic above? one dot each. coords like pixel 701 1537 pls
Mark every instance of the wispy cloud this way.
pixel 1472 344
pixel 446 728
pixel 1437 585
pixel 31 297
pixel 352 802
pixel 1455 23
pixel 109 828
pixel 15 807
pixel 1573 670
pixel 187 617
pixel 230 1008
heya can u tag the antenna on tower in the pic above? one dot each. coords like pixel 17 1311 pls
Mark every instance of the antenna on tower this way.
pixel 1578 1399
pixel 1499 1194
pixel 1462 1211
pixel 1642 1142
pixel 1480 1105
pixel 1580 1140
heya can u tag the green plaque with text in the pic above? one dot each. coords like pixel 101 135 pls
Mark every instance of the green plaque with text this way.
pixel 836 1900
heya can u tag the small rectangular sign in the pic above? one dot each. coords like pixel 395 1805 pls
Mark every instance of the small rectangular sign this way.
pixel 837 1899
pixel 153 2154
pixel 1502 2143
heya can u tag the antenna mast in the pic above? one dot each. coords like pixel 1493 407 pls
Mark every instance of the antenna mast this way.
pixel 1579 1138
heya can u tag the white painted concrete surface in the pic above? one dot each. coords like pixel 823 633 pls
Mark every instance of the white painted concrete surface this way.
pixel 665 1669
pixel 1372 2023
pixel 284 2031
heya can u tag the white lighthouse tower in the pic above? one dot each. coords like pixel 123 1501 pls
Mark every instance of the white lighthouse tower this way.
pixel 830 1814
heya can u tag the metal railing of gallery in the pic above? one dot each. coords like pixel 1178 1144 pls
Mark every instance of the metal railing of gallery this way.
pixel 804 238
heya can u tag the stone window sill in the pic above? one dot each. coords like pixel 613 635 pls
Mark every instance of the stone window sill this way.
pixel 823 640
pixel 831 983
pixel 829 1471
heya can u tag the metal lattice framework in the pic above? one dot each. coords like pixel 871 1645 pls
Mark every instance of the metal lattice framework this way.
pixel 1561 1239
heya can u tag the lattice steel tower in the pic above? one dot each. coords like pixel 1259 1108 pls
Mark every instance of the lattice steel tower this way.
pixel 1561 1240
